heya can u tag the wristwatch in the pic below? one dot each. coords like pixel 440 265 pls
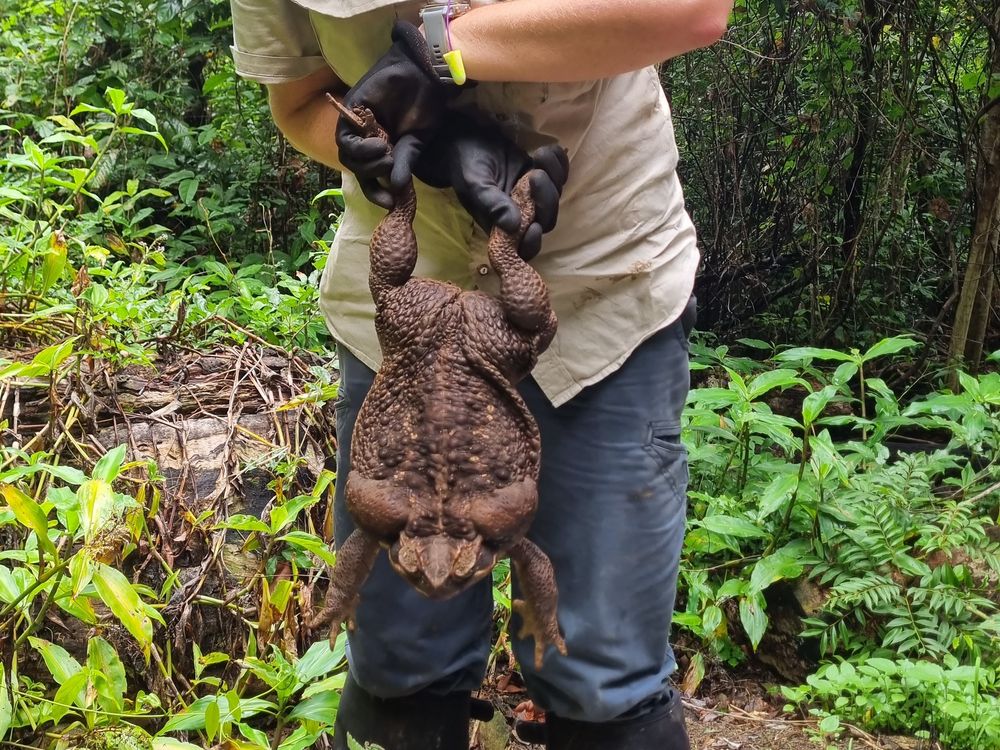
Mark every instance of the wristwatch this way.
pixel 436 16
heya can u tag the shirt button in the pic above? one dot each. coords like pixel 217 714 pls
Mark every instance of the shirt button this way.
pixel 483 269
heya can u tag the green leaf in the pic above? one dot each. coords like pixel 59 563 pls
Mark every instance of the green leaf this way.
pixel 6 709
pixel 771 569
pixel 830 724
pixel 29 514
pixel 123 601
pixel 768 381
pixel 300 739
pixel 811 352
pixel 188 189
pixel 242 522
pixel 193 717
pixel 322 707
pixel 889 346
pixel 97 507
pixel 254 735
pixel 754 618
pixel 70 693
pixel 102 658
pixel 169 743
pixel 116 98
pixel 777 492
pixel 732 526
pixel 844 373
pixel 311 543
pixel 320 659
pixel 212 718
pixel 60 664
pixel 110 464
pixel 814 404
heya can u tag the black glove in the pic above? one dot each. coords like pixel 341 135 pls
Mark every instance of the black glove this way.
pixel 408 100
pixel 483 165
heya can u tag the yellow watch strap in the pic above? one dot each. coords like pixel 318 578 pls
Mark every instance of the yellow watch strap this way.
pixel 456 66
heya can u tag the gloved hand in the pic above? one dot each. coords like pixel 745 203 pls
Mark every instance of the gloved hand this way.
pixel 483 165
pixel 408 100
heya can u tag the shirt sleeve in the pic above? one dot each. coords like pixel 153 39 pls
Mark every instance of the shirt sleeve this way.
pixel 274 42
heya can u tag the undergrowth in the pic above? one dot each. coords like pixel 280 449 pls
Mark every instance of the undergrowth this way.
pixel 815 476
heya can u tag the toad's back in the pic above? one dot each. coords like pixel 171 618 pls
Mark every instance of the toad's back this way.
pixel 442 416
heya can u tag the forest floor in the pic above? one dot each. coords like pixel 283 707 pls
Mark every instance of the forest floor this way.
pixel 739 713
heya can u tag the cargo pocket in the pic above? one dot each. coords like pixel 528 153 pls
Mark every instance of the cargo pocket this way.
pixel 663 443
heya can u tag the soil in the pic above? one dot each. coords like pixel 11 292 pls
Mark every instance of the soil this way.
pixel 731 713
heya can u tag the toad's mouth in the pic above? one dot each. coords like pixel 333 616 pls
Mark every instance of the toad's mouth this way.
pixel 440 565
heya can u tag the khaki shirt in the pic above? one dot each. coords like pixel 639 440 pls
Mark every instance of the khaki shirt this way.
pixel 621 262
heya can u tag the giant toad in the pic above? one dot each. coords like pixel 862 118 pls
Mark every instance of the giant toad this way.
pixel 445 454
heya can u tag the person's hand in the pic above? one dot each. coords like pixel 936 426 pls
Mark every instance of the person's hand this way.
pixel 408 100
pixel 483 165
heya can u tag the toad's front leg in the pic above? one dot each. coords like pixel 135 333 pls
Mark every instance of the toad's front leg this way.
pixel 541 598
pixel 354 562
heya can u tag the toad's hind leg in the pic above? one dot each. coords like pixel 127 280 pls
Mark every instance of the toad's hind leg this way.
pixel 523 294
pixel 354 562
pixel 541 599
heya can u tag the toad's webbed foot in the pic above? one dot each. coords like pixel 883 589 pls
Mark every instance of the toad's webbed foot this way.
pixel 354 563
pixel 541 599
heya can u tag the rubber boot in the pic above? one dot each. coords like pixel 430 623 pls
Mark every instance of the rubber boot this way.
pixel 422 721
pixel 655 725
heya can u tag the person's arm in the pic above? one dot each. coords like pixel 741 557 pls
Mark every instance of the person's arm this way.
pixel 582 40
pixel 302 113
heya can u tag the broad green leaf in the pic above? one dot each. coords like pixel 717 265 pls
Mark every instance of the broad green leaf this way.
pixel 193 717
pixel 9 589
pixel 70 693
pixel 60 664
pixel 830 724
pixel 110 464
pixel 334 682
pixel 97 507
pixel 778 490
pixel 254 735
pixel 322 707
pixel 212 718
pixel 320 659
pixel 711 619
pixel 169 743
pixel 732 587
pixel 187 189
pixel 732 526
pixel 30 514
pixel 6 709
pixel 300 739
pixel 844 373
pixel 311 543
pixel 242 522
pixel 768 381
pixel 773 568
pixel 123 601
pixel 54 262
pixel 814 404
pixel 754 618
pixel 889 346
pixel 116 98
pixel 51 357
pixel 81 571
pixel 102 658
pixel 811 352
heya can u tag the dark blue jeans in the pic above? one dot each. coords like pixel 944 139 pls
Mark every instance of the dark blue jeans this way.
pixel 611 518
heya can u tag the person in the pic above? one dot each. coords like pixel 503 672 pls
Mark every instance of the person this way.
pixel 608 394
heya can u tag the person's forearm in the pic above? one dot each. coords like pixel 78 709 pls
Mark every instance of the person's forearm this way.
pixel 306 118
pixel 578 40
